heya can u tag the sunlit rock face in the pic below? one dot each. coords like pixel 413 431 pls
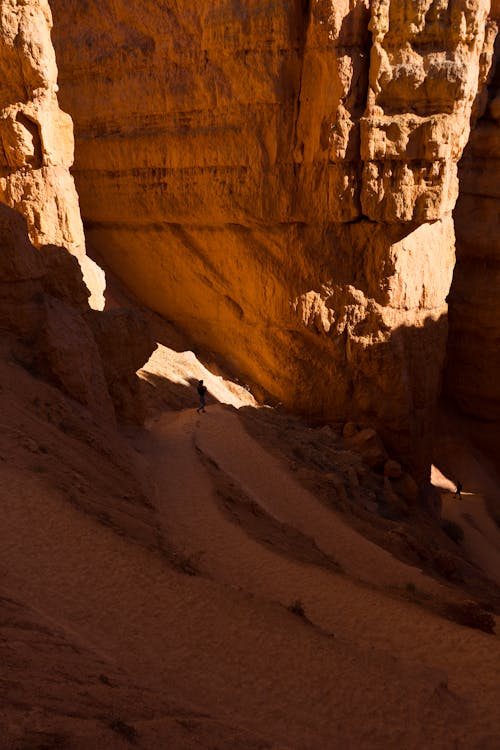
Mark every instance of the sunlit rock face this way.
pixel 36 137
pixel 278 179
pixel 45 319
pixel 474 343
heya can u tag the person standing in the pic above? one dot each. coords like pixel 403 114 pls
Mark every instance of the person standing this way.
pixel 202 394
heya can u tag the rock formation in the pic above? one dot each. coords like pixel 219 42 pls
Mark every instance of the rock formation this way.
pixel 42 315
pixel 473 349
pixel 46 324
pixel 36 137
pixel 278 178
pixel 125 343
pixel 44 312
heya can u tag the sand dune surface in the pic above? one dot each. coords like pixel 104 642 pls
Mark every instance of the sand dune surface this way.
pixel 231 610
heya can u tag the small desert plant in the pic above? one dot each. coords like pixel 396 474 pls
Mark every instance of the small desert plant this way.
pixel 453 530
pixel 297 608
pixel 186 563
pixel 126 730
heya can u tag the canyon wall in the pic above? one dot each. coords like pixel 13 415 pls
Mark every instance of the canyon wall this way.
pixel 278 178
pixel 474 341
pixel 36 137
pixel 46 278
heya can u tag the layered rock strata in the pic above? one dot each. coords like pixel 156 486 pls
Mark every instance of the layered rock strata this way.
pixel 278 178
pixel 36 137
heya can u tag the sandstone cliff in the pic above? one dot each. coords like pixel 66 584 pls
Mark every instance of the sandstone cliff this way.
pixel 36 137
pixel 278 178
pixel 45 320
pixel 473 348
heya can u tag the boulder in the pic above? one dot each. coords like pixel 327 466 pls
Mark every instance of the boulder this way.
pixel 447 565
pixel 369 445
pixel 350 429
pixel 392 499
pixel 392 469
pixel 406 487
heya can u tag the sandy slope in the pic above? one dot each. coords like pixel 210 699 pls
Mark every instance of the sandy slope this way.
pixel 366 669
pixel 480 498
pixel 360 616
pixel 481 534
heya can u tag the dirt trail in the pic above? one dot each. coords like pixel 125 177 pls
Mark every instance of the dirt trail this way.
pixel 352 606
pixel 271 485
pixel 224 641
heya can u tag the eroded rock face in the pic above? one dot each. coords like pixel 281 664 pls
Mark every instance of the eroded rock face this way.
pixel 428 60
pixel 43 303
pixel 36 137
pixel 125 344
pixel 46 325
pixel 278 178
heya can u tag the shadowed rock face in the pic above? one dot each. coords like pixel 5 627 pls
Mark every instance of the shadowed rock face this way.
pixel 277 177
pixel 46 324
pixel 473 348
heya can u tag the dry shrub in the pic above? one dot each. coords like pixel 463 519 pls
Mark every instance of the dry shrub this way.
pixel 297 608
pixel 125 730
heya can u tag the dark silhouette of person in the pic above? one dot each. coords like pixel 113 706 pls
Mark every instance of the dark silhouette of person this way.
pixel 458 490
pixel 201 393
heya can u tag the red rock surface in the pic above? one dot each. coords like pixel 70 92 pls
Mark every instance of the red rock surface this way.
pixel 47 325
pixel 36 137
pixel 279 182
pixel 472 377
pixel 184 589
pixel 277 178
